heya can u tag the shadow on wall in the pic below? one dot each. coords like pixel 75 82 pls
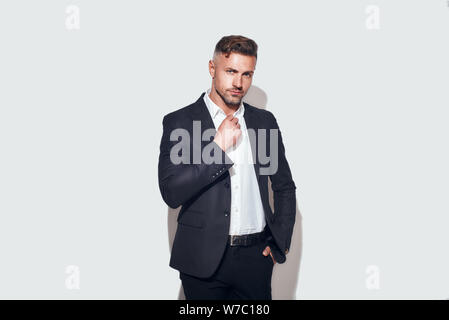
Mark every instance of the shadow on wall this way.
pixel 285 276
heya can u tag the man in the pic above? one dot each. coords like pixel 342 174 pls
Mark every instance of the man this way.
pixel 228 239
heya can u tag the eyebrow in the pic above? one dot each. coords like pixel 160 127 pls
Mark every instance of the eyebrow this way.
pixel 229 68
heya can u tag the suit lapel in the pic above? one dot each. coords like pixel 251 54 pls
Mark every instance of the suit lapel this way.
pixel 251 121
pixel 202 114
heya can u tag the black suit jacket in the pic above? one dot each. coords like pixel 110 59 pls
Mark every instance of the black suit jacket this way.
pixel 203 191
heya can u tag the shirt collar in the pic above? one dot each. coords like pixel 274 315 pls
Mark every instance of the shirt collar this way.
pixel 214 110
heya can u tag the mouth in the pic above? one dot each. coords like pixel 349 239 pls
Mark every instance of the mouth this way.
pixel 236 93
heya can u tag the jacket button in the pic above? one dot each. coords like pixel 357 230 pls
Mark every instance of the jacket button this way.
pixel 226 213
pixel 226 184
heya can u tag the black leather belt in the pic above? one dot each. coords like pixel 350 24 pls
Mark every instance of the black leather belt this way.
pixel 246 239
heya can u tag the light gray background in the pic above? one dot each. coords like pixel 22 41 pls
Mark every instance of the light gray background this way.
pixel 363 113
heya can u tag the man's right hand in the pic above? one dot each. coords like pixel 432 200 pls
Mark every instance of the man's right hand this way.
pixel 228 132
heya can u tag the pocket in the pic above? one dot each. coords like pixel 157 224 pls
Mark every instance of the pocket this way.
pixel 193 219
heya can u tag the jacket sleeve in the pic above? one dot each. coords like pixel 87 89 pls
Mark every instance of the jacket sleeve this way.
pixel 180 182
pixel 284 194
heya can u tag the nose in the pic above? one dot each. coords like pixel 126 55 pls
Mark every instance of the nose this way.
pixel 237 83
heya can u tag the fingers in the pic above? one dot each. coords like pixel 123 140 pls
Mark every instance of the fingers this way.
pixel 230 117
pixel 267 252
pixel 233 120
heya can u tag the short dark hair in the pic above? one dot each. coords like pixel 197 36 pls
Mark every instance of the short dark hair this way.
pixel 238 44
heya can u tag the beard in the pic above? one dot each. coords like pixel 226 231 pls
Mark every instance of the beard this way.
pixel 231 103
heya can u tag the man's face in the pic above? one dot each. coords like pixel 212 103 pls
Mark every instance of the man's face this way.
pixel 232 76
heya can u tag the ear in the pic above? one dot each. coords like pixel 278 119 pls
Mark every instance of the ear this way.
pixel 212 68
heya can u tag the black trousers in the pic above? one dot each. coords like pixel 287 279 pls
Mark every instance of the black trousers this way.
pixel 244 273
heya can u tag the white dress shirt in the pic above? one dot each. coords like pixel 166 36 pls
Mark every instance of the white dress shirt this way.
pixel 247 214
